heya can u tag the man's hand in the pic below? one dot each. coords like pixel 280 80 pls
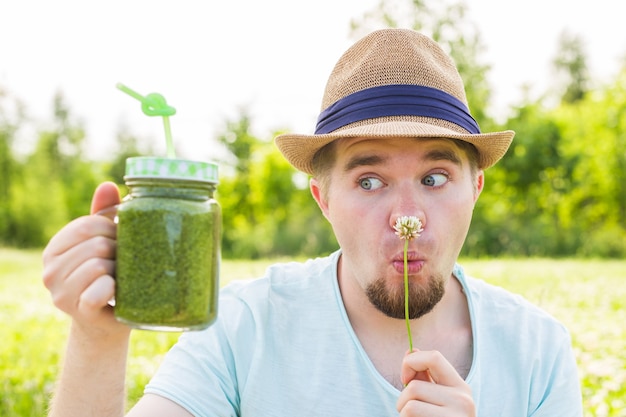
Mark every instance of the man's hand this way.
pixel 433 387
pixel 79 265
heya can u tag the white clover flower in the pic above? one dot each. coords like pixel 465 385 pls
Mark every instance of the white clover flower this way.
pixel 408 227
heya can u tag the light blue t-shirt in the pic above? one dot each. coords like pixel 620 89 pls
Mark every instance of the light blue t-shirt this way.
pixel 283 346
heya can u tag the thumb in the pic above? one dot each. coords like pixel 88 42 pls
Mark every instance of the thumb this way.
pixel 106 195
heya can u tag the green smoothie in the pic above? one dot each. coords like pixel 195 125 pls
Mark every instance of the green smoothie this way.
pixel 168 255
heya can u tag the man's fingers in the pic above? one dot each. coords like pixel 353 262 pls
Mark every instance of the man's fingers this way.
pixel 68 252
pixel 432 362
pixel 418 408
pixel 76 232
pixel 433 387
pixel 68 293
pixel 425 396
pixel 97 295
pixel 83 228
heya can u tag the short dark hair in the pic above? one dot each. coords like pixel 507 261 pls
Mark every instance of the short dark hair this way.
pixel 322 163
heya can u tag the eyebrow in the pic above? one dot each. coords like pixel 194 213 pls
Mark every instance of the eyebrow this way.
pixel 363 160
pixel 444 155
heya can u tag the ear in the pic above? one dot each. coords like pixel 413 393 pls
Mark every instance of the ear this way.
pixel 479 184
pixel 318 195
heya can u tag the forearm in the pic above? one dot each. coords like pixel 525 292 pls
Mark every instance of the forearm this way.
pixel 93 376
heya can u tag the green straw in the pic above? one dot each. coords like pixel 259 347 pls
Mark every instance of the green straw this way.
pixel 154 104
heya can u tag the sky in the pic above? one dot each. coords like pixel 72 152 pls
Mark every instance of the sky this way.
pixel 211 59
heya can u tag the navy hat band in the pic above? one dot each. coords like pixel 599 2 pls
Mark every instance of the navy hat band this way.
pixel 396 100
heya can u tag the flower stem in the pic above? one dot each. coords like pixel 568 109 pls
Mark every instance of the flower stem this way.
pixel 406 295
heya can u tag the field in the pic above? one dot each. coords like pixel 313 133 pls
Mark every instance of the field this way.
pixel 589 297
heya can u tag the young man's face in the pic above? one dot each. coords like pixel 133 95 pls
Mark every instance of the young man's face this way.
pixel 375 181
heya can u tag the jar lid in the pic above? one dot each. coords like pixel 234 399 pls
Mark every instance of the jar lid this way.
pixel 170 168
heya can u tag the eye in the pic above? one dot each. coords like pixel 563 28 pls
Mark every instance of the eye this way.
pixel 370 183
pixel 435 180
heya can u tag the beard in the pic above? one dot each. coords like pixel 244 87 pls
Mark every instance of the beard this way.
pixel 422 298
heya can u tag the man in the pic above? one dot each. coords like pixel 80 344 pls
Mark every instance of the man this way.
pixel 328 337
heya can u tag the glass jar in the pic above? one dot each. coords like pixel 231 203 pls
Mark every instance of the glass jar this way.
pixel 168 245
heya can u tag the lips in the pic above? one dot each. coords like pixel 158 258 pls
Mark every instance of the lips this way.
pixel 414 263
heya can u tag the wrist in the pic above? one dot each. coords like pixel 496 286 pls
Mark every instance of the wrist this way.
pixel 90 338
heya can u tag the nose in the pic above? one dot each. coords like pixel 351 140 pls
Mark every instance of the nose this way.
pixel 407 203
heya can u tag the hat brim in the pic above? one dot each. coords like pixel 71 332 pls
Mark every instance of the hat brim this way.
pixel 299 149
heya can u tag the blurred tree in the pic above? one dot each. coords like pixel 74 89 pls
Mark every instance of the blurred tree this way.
pixel 559 191
pixel 288 209
pixel 128 146
pixel 62 147
pixel 11 118
pixel 518 210
pixel 239 214
pixel 570 65
pixel 267 207
pixel 57 181
pixel 594 132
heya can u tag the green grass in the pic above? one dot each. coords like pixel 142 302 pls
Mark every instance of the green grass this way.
pixel 588 296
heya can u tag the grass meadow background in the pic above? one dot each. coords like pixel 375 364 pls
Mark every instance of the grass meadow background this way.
pixel 588 296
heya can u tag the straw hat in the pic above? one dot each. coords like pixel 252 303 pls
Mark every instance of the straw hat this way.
pixel 394 83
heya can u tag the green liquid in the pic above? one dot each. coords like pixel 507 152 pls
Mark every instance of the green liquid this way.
pixel 167 263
